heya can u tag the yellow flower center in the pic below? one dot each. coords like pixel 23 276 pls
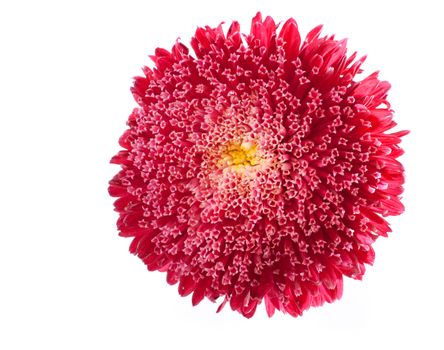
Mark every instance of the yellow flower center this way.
pixel 239 156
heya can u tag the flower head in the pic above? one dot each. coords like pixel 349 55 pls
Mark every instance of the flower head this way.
pixel 258 168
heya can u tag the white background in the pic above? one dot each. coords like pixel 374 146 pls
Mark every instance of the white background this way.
pixel 66 278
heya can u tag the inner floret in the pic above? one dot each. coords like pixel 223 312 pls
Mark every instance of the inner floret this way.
pixel 239 156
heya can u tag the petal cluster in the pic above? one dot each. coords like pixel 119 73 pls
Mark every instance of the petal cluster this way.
pixel 258 168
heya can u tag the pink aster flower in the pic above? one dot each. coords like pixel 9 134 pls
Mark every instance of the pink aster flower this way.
pixel 258 167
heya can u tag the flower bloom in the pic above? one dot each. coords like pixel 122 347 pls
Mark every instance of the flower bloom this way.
pixel 258 168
